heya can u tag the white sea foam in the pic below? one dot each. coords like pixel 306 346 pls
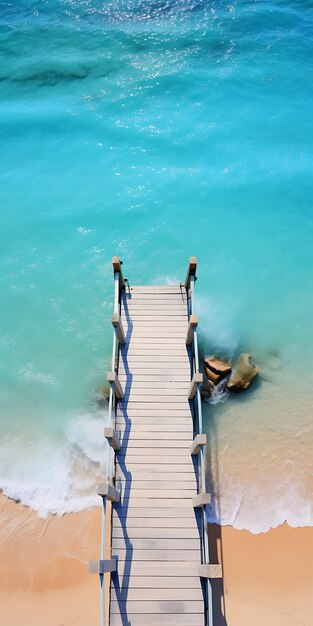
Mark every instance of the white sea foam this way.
pixel 219 393
pixel 56 477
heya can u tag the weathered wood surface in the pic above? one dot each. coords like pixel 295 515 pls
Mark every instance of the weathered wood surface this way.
pixel 155 529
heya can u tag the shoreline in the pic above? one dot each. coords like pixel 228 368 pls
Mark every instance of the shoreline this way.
pixel 268 577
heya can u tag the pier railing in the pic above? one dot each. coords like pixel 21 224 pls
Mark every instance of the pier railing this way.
pixel 107 490
pixel 207 571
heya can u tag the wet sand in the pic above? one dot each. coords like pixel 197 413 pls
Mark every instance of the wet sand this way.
pixel 268 578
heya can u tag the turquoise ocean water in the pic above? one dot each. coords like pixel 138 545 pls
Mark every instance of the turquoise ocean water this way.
pixel 156 130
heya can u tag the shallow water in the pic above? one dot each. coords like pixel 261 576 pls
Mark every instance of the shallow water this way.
pixel 155 131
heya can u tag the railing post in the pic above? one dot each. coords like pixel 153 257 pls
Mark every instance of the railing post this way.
pixel 117 267
pixel 113 438
pixel 192 325
pixel 199 440
pixel 116 385
pixel 117 324
pixel 197 379
pixel 191 271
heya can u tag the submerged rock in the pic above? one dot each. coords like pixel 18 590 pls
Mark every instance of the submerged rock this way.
pixel 243 374
pixel 207 388
pixel 216 368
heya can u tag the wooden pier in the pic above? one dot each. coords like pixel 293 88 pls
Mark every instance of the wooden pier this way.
pixel 159 568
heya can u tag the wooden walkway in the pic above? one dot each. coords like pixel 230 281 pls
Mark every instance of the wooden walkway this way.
pixel 157 516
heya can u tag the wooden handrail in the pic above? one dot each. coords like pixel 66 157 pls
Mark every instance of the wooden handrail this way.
pixel 203 498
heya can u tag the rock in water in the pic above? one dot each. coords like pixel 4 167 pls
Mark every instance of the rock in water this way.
pixel 207 388
pixel 218 365
pixel 243 373
pixel 216 368
pixel 215 378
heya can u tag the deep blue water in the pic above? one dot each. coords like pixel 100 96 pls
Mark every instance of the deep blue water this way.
pixel 155 130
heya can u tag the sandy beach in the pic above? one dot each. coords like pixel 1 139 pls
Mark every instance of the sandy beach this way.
pixel 268 578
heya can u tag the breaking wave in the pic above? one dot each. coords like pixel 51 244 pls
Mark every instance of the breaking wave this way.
pixel 56 477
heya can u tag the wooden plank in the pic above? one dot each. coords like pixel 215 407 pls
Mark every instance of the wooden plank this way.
pixel 126 423
pixel 148 489
pixel 156 333
pixel 149 412
pixel 142 306
pixel 162 320
pixel 141 449
pixel 160 381
pixel 133 493
pixel 169 332
pixel 153 486
pixel 165 358
pixel 176 397
pixel 133 402
pixel 174 443
pixel 146 375
pixel 134 410
pixel 155 512
pixel 163 351
pixel 162 389
pixel 151 522
pixel 186 487
pixel 158 582
pixel 147 607
pixel 119 532
pixel 138 456
pixel 184 556
pixel 156 299
pixel 156 338
pixel 157 458
pixel 143 292
pixel 154 317
pixel 153 475
pixel 165 328
pixel 160 620
pixel 149 369
pixel 133 398
pixel 147 296
pixel 139 425
pixel 158 568
pixel 161 310
pixel 163 424
pixel 138 466
pixel 166 287
pixel 165 435
pixel 172 322
pixel 169 593
pixel 131 500
pixel 180 324
pixel 159 543
pixel 146 386
pixel 145 308
pixel 136 366
pixel 132 406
